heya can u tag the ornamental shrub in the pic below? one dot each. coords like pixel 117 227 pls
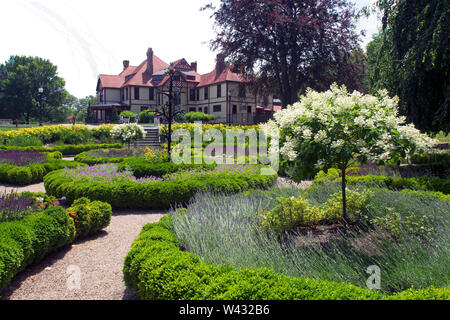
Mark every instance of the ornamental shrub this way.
pixel 30 239
pixel 331 129
pixel 147 116
pixel 128 115
pixel 128 133
pixel 198 116
pixel 89 216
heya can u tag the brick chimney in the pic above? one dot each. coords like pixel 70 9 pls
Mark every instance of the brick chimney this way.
pixel 149 61
pixel 194 66
pixel 126 64
pixel 220 63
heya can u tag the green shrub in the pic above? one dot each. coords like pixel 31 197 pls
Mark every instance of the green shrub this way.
pixel 146 116
pixel 32 173
pixel 66 150
pixel 90 216
pixel 27 241
pixel 128 115
pixel 23 141
pixel 198 116
pixel 156 268
pixel 158 195
pixel 55 155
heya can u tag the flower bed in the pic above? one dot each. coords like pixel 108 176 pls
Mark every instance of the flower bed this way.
pixel 27 237
pixel 157 268
pixel 165 187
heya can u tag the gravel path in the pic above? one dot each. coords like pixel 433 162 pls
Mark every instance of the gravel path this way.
pixel 99 259
pixel 31 188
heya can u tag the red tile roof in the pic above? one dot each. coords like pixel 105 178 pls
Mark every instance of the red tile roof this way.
pixel 226 75
pixel 136 76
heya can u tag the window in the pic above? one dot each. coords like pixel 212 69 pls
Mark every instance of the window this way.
pixel 123 94
pixel 192 110
pixel 200 110
pixel 136 93
pixel 219 90
pixel 217 108
pixel 198 94
pixel 242 90
pixel 144 108
pixel 151 94
pixel 192 94
pixel 206 110
pixel 249 109
pixel 206 93
pixel 126 93
pixel 234 109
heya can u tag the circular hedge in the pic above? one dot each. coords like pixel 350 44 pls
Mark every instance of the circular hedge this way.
pixel 156 194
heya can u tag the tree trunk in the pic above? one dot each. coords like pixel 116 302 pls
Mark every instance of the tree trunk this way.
pixel 344 198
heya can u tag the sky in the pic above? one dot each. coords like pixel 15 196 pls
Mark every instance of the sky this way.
pixel 88 38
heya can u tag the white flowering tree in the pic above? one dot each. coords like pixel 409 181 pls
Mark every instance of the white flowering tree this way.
pixel 128 133
pixel 332 128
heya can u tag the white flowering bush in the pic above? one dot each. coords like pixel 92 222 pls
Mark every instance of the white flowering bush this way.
pixel 128 133
pixel 332 128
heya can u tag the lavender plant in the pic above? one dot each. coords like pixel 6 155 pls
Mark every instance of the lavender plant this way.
pixel 14 206
pixel 22 158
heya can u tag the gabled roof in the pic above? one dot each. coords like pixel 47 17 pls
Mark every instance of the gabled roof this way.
pixel 226 75
pixel 132 75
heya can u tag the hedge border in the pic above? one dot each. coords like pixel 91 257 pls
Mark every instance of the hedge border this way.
pixel 157 269
pixel 158 195
pixel 33 173
pixel 67 149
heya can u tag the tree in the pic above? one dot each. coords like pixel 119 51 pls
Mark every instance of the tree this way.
pixel 330 129
pixel 20 79
pixel 287 44
pixel 85 112
pixel 410 59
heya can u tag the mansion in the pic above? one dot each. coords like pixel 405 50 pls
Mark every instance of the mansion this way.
pixel 222 92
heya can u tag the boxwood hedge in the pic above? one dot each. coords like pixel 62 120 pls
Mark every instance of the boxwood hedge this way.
pixel 157 269
pixel 156 195
pixel 394 183
pixel 27 241
pixel 33 173
pixel 67 149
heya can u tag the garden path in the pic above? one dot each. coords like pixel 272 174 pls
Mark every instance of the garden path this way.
pixel 98 260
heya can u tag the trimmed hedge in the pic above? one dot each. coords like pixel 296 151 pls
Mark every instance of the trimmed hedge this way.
pixel 27 241
pixel 394 183
pixel 67 149
pixel 157 269
pixel 32 173
pixel 90 216
pixel 90 160
pixel 143 168
pixel 156 195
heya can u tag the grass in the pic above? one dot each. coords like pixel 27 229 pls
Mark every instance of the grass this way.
pixel 225 230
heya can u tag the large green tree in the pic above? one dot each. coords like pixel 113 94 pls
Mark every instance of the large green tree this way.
pixel 410 58
pixel 20 80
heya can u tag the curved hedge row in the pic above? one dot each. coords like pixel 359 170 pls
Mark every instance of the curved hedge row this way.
pixel 157 269
pixel 156 195
pixel 27 241
pixel 394 183
pixel 32 173
pixel 67 149
pixel 143 168
pixel 90 160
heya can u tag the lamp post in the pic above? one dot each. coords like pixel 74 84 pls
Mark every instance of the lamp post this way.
pixel 41 91
pixel 169 113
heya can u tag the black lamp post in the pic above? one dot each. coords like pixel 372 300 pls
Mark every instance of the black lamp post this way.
pixel 169 113
pixel 41 91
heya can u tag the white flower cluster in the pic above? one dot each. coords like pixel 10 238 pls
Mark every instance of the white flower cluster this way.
pixel 128 132
pixel 343 124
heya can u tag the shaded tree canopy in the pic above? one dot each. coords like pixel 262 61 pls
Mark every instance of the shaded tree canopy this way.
pixel 410 58
pixel 289 45
pixel 20 79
